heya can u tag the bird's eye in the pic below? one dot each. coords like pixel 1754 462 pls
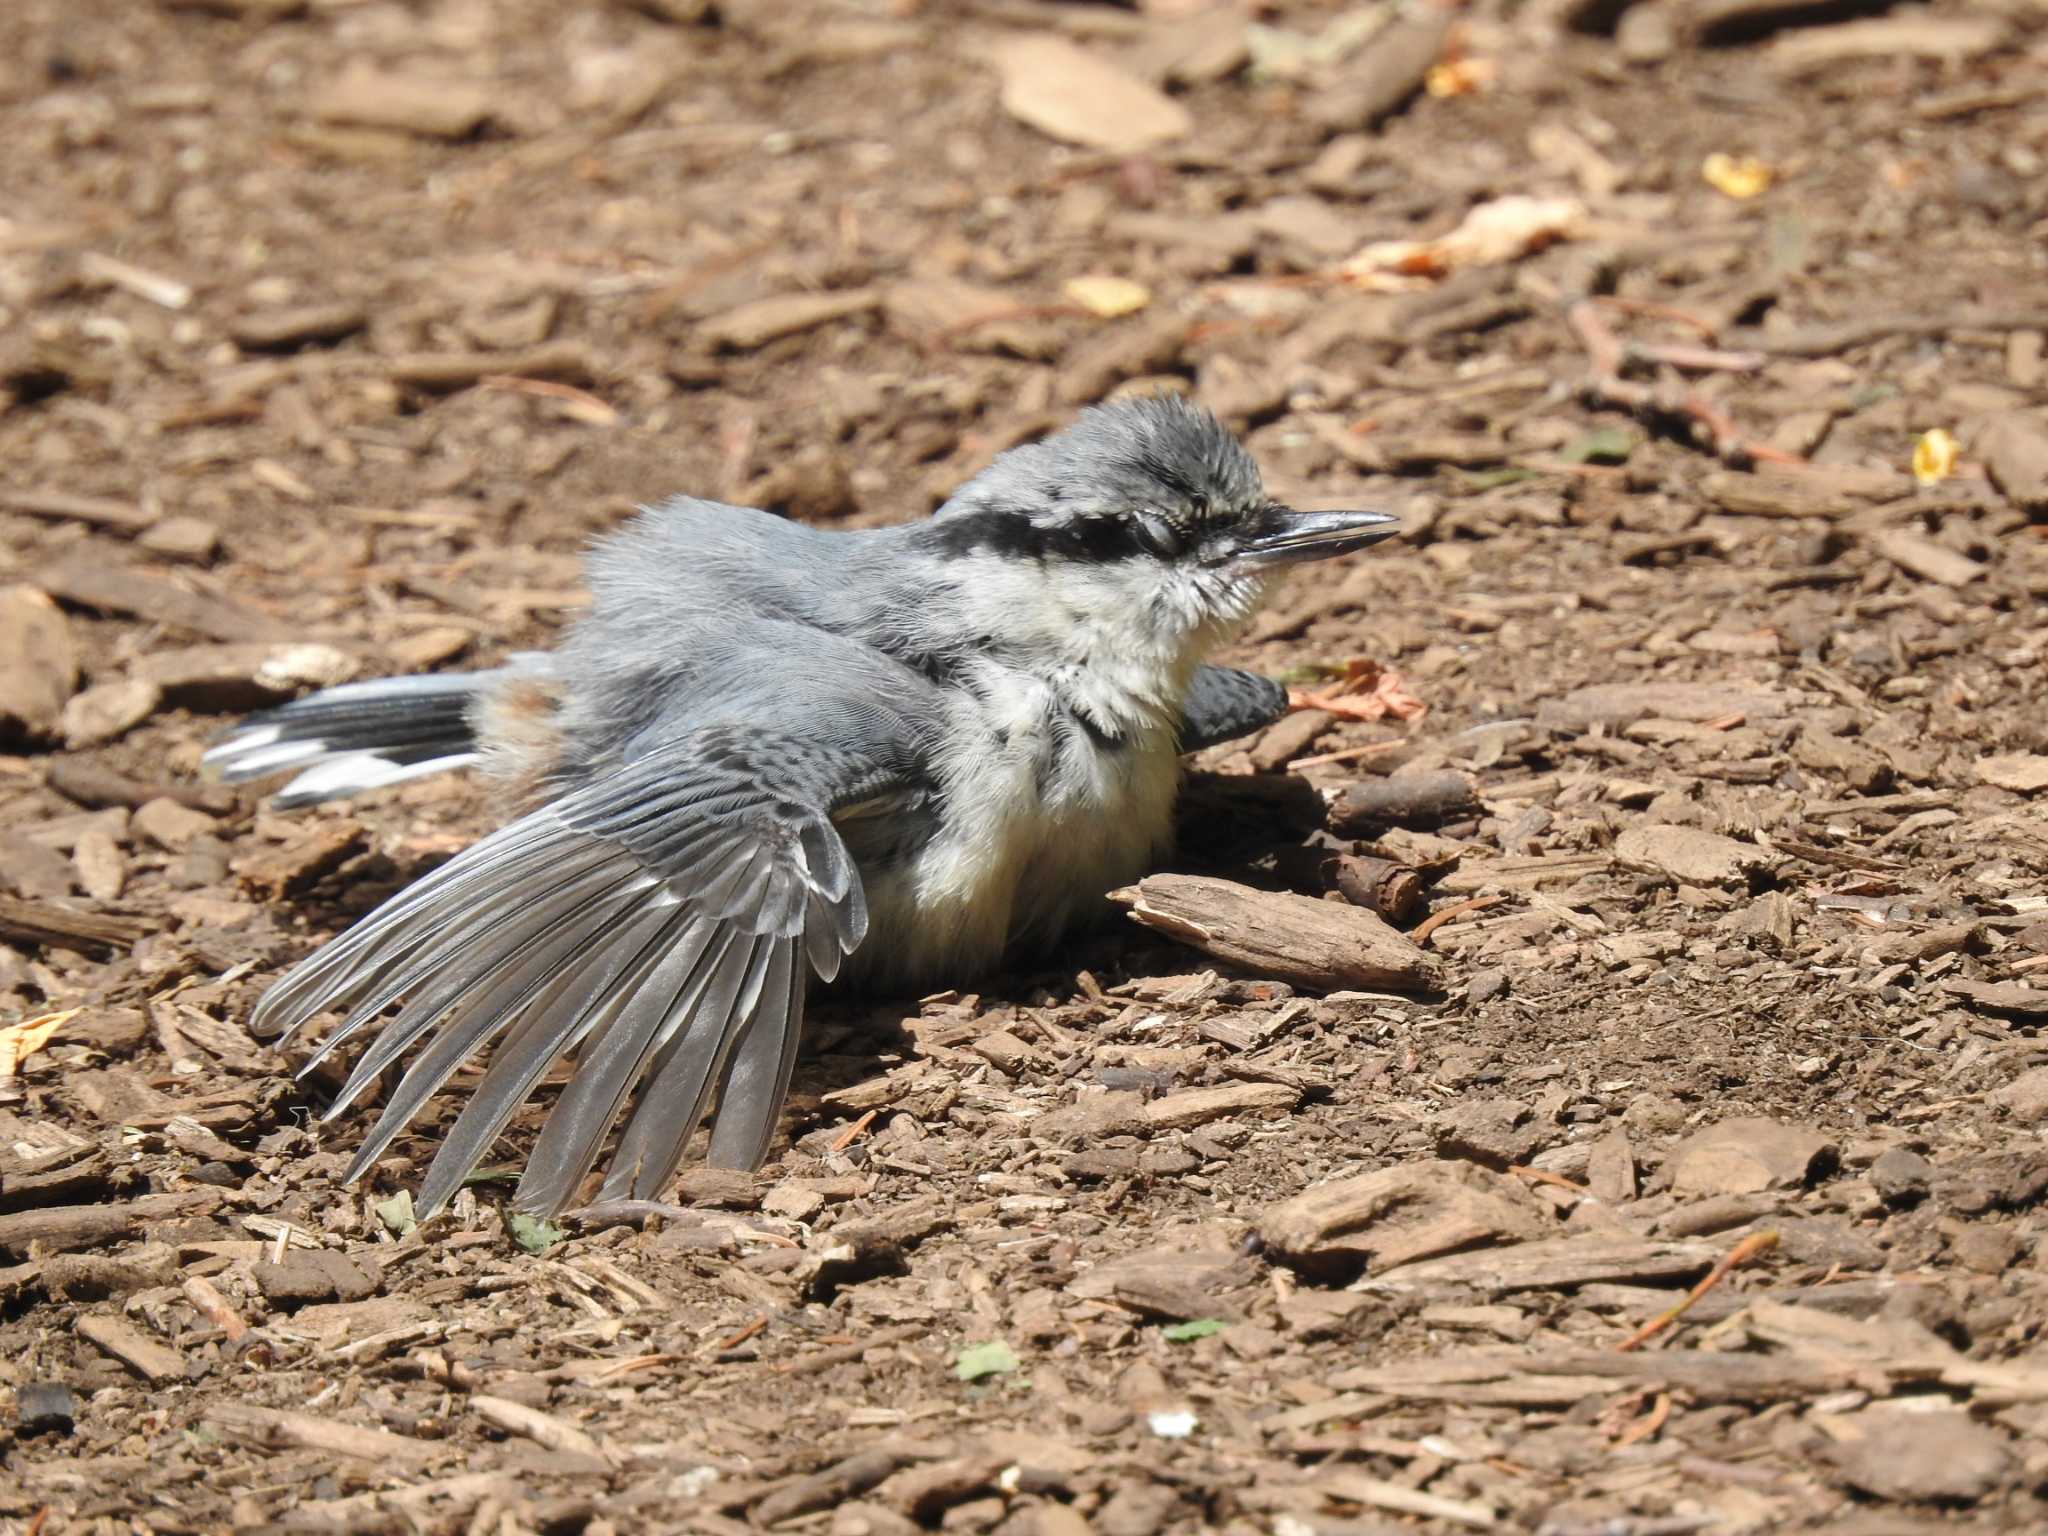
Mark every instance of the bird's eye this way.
pixel 1159 534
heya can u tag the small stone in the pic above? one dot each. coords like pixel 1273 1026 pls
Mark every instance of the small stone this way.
pixel 1747 1155
pixel 171 826
pixel 107 711
pixel 1901 1177
pixel 1924 1457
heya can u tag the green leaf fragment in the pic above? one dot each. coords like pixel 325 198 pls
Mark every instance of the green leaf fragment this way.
pixel 994 1358
pixel 1197 1328
pixel 531 1233
pixel 397 1214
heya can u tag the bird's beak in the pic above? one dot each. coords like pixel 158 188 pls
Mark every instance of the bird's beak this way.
pixel 1282 536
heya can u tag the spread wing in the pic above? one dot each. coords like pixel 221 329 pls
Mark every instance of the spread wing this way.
pixel 660 920
pixel 1223 702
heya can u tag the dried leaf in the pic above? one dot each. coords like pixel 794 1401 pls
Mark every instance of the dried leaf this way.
pixel 1934 457
pixel 1364 690
pixel 1740 179
pixel 1492 233
pixel 20 1041
pixel 1462 77
pixel 1107 296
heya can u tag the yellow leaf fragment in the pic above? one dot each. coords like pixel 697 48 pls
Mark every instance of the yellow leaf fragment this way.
pixel 1740 179
pixel 20 1041
pixel 1106 296
pixel 1461 77
pixel 1934 457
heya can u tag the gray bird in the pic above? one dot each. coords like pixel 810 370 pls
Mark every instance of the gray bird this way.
pixel 769 751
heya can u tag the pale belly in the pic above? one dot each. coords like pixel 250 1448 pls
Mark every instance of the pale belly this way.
pixel 1030 842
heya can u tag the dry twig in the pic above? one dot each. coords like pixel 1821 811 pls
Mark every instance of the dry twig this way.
pixel 1750 1247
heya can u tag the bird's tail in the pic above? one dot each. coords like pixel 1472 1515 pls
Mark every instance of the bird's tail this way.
pixel 359 736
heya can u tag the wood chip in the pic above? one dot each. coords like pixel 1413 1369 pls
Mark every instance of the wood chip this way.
pixel 546 1429
pixel 1324 945
pixel 278 1429
pixel 2024 773
pixel 1689 854
pixel 1403 1214
pixel 367 96
pixel 1918 555
pixel 1747 1155
pixel 92 581
pixel 1198 1106
pixel 1078 97
pixel 755 325
pixel 38 663
pixel 155 1363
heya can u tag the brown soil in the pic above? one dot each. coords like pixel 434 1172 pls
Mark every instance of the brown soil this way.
pixel 1769 945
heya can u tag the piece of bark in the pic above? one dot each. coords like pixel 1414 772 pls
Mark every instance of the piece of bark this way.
pixel 1749 1155
pixel 1689 854
pixel 278 1429
pixel 1400 1215
pixel 2014 449
pixel 286 330
pixel 1170 1282
pixel 565 362
pixel 1405 799
pixel 1079 97
pixel 87 783
pixel 41 922
pixel 153 1362
pixel 96 511
pixel 2024 773
pixel 754 325
pixel 1615 705
pixel 1918 555
pixel 38 664
pixel 107 711
pixel 91 581
pixel 365 95
pixel 1323 945
pixel 1198 1106
pixel 823 1490
pixel 190 539
pixel 1385 74
pixel 222 678
pixel 1394 891
pixel 1562 1263
pixel 545 1429
pixel 1763 494
pixel 277 872
pixel 65 1228
pixel 2011 997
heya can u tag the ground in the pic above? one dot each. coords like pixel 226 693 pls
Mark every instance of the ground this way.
pixel 331 330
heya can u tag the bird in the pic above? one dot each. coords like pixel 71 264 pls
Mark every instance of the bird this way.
pixel 770 752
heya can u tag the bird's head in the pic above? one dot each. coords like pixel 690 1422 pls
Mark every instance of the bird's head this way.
pixel 1149 507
